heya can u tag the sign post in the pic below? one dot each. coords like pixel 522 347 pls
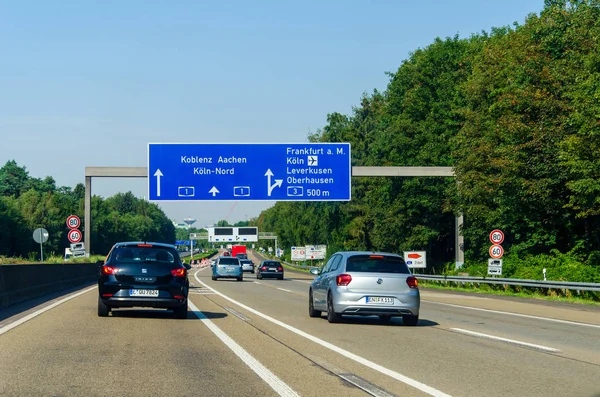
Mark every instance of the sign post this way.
pixel 249 172
pixel 496 252
pixel 40 235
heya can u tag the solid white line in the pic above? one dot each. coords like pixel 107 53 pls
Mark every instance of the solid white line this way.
pixel 28 317
pixel 283 289
pixel 271 379
pixel 554 320
pixel 370 364
pixel 511 341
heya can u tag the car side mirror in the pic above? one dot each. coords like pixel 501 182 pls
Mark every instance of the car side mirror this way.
pixel 315 270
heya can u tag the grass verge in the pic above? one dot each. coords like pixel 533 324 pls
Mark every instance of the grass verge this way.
pixel 548 295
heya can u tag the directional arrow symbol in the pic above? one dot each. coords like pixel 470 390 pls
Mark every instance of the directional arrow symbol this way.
pixel 214 191
pixel 270 187
pixel 158 174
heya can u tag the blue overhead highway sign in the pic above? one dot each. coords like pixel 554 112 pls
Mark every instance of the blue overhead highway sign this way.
pixel 249 171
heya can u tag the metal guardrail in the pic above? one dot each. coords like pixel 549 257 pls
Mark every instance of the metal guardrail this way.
pixel 514 281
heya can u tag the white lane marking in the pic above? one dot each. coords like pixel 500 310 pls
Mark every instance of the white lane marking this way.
pixel 283 289
pixel 369 364
pixel 554 320
pixel 303 281
pixel 500 339
pixel 28 317
pixel 270 378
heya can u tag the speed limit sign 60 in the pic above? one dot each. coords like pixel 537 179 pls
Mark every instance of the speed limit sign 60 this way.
pixel 496 251
pixel 74 236
pixel 496 236
pixel 73 222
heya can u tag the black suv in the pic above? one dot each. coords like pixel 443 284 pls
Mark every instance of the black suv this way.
pixel 140 274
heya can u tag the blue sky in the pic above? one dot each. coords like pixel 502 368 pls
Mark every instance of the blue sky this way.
pixel 90 83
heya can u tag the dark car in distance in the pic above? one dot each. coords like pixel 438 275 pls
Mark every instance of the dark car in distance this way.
pixel 269 269
pixel 142 274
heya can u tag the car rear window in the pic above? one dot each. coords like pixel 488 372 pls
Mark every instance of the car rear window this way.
pixel 137 254
pixel 376 264
pixel 229 261
pixel 272 264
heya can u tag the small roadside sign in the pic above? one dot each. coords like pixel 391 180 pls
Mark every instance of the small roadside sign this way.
pixel 494 271
pixel 496 236
pixel 496 251
pixel 74 235
pixel 298 253
pixel 73 222
pixel 415 259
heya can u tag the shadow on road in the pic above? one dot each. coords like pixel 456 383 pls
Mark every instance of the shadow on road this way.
pixel 373 320
pixel 159 313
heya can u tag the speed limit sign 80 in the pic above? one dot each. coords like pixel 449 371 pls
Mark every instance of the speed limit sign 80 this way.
pixel 496 251
pixel 73 222
pixel 496 236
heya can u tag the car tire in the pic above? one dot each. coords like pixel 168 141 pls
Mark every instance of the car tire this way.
pixel 213 278
pixel 311 307
pixel 385 319
pixel 103 309
pixel 181 312
pixel 410 320
pixel 252 271
pixel 332 316
pixel 259 276
pixel 240 279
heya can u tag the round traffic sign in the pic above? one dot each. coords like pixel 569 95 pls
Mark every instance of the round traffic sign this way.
pixel 496 236
pixel 74 235
pixel 40 235
pixel 73 222
pixel 496 251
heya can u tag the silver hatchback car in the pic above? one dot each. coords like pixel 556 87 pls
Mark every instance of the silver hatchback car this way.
pixel 365 284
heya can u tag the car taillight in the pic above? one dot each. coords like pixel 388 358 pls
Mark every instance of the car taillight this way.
pixel 109 270
pixel 263 268
pixel 412 282
pixel 179 272
pixel 280 269
pixel 343 279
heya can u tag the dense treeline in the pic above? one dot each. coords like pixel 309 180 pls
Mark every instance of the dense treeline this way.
pixel 27 203
pixel 515 111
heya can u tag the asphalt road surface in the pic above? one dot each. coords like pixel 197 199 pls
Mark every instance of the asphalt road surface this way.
pixel 254 338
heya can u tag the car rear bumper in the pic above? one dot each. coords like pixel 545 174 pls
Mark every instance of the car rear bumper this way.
pixel 165 303
pixel 355 304
pixel 228 275
pixel 271 274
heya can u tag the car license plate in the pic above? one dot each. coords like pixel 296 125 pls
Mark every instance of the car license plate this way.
pixel 272 269
pixel 380 300
pixel 143 292
pixel 230 268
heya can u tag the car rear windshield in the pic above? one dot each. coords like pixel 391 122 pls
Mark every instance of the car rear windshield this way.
pixel 229 261
pixel 272 264
pixel 377 264
pixel 144 254
pixel 245 261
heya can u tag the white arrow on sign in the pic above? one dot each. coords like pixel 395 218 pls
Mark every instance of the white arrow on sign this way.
pixel 270 187
pixel 214 191
pixel 158 174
